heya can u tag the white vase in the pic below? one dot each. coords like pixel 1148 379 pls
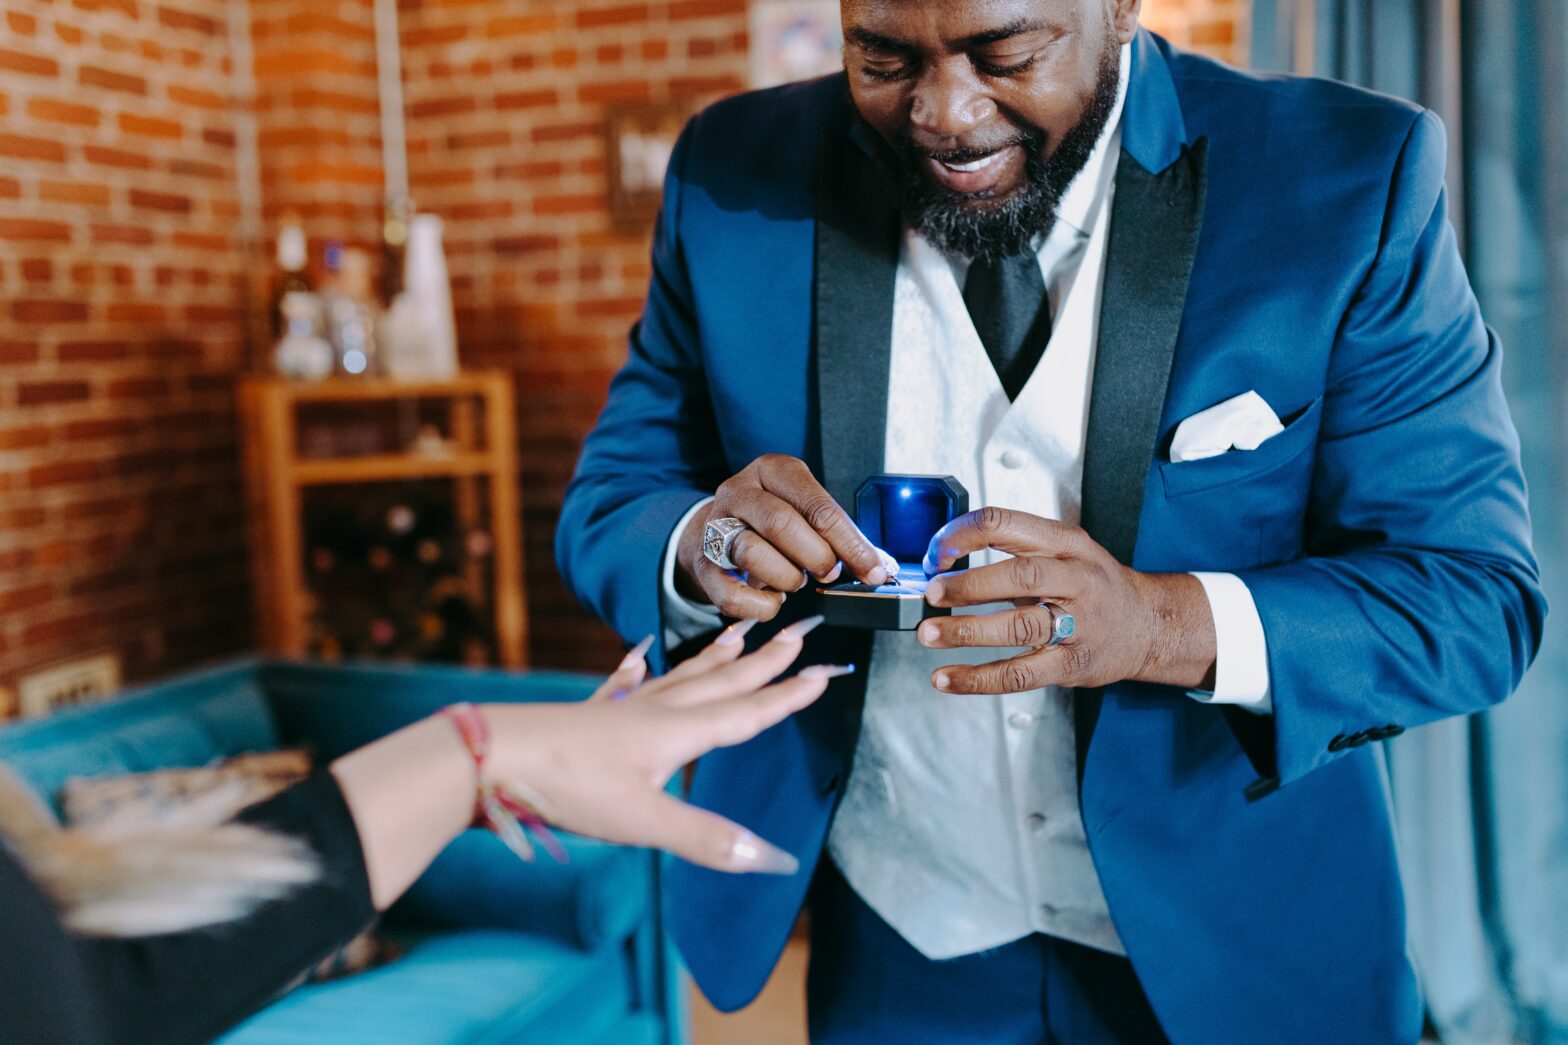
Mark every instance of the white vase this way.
pixel 418 330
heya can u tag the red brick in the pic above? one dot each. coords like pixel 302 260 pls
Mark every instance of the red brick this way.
pixel 33 229
pixel 142 313
pixel 535 99
pixel 109 79
pixel 150 126
pixel 38 393
pixel 21 24
pixel 136 235
pixel 55 111
pixel 29 64
pixel 16 600
pixel 62 473
pixel 37 270
pixel 167 202
pixel 46 310
pixel 73 192
pixel 10 189
pixel 627 14
pixel 520 25
pixel 22 147
pixel 92 351
pixel 200 99
pixel 30 437
pixel 584 203
pixel 110 157
pixel 175 18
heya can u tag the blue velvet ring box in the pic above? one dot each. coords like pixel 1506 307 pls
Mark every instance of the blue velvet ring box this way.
pixel 899 514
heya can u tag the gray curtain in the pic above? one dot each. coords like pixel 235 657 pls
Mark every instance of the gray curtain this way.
pixel 1482 803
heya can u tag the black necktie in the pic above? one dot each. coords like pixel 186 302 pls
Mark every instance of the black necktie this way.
pixel 1006 299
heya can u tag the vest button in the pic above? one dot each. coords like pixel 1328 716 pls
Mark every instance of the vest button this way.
pixel 1012 459
pixel 1035 821
pixel 1020 720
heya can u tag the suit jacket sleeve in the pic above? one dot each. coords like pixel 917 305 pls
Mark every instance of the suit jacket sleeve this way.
pixel 654 452
pixel 1419 597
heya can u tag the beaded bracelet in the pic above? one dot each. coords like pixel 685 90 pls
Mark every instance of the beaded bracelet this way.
pixel 498 806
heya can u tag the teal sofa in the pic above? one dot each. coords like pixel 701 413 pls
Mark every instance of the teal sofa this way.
pixel 498 950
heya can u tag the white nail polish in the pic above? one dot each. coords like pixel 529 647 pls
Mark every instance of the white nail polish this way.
pixel 636 653
pixel 735 633
pixel 751 853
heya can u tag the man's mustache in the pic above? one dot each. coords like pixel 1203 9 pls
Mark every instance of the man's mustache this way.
pixel 969 153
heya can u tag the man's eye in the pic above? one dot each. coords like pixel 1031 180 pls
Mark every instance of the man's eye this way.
pixel 886 68
pixel 1005 66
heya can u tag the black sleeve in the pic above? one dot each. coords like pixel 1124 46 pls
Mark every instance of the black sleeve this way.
pixel 189 986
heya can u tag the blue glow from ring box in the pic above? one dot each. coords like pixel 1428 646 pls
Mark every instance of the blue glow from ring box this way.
pixel 901 515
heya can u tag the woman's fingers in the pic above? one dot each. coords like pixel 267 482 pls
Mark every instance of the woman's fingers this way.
pixel 730 644
pixel 710 840
pixel 749 673
pixel 727 722
pixel 628 675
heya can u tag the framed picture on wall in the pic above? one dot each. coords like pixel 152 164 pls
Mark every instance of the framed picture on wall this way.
pixel 794 40
pixel 638 141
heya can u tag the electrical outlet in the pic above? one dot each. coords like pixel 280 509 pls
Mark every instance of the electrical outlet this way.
pixel 74 682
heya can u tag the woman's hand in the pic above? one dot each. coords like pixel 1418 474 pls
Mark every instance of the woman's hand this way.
pixel 600 767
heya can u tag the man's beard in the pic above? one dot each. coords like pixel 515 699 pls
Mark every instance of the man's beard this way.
pixel 970 227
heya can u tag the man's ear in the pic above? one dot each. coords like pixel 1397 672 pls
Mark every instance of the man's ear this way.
pixel 1125 17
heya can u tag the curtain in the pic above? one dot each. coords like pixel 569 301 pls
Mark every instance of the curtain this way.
pixel 1481 804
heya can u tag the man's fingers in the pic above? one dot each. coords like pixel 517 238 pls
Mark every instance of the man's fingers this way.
pixel 710 840
pixel 775 521
pixel 1034 577
pixel 1017 533
pixel 790 480
pixel 1024 627
pixel 764 564
pixel 1064 665
pixel 732 596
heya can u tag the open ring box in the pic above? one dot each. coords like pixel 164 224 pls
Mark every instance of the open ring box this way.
pixel 899 514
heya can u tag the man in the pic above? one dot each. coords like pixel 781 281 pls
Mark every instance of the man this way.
pixel 1202 346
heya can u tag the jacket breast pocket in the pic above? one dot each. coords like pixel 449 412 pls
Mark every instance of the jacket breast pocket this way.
pixel 1188 477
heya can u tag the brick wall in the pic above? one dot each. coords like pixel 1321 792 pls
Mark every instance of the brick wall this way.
pixel 122 277
pixel 119 334
pixel 1214 27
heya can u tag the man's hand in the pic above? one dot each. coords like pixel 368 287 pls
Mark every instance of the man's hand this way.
pixel 1128 625
pixel 796 532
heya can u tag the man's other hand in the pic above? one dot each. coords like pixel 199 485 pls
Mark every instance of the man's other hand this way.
pixel 1127 625
pixel 795 532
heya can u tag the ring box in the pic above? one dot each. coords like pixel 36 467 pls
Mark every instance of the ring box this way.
pixel 899 514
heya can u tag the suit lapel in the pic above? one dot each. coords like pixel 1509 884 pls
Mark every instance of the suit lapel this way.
pixel 1155 223
pixel 856 264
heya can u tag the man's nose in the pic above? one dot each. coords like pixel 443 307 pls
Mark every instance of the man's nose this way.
pixel 949 103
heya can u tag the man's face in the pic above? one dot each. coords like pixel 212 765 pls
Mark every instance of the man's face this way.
pixel 989 108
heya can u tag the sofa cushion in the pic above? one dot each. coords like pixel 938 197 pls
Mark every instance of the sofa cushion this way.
pixel 598 897
pixel 476 988
pixel 188 722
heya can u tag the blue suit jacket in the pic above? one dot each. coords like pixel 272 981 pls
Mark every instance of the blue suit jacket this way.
pixel 1284 235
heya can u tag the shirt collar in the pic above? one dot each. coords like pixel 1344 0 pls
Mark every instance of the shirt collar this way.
pixel 1081 202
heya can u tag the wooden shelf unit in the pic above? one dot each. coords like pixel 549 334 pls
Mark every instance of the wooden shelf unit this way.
pixel 276 478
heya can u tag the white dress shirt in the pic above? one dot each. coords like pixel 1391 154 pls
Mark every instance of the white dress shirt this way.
pixel 960 823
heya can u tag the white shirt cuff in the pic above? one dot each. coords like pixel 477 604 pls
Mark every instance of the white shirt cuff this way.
pixel 683 618
pixel 1241 670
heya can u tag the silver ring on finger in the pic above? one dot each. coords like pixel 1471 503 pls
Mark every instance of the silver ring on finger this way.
pixel 1062 624
pixel 718 540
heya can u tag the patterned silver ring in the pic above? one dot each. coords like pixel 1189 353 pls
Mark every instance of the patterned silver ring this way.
pixel 1062 624
pixel 718 538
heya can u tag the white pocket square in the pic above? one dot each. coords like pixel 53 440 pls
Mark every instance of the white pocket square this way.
pixel 1242 423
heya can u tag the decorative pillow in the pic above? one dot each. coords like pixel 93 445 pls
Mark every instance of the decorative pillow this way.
pixel 211 795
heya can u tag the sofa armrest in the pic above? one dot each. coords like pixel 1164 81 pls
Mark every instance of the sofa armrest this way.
pixel 335 708
pixel 599 897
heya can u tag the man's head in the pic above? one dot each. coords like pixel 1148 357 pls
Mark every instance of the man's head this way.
pixel 988 108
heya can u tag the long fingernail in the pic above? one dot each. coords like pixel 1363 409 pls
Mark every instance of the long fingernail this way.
pixel 750 853
pixel 735 633
pixel 635 654
pixel 801 628
pixel 827 671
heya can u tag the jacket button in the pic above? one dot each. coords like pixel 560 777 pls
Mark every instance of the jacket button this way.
pixel 1384 732
pixel 1358 739
pixel 1339 743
